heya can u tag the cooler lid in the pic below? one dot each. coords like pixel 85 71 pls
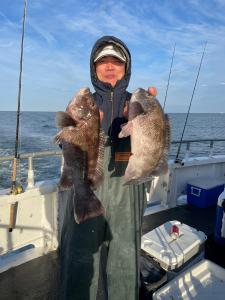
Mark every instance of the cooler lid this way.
pixel 207 183
pixel 168 250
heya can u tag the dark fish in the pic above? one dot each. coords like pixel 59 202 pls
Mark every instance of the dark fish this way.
pixel 83 150
pixel 149 129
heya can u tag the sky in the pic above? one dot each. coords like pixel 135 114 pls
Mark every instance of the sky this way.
pixel 59 36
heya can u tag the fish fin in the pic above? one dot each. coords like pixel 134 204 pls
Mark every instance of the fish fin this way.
pixel 57 139
pixel 167 134
pixel 63 120
pixel 67 178
pixel 97 177
pixel 71 135
pixel 162 168
pixel 135 109
pixel 126 130
pixel 139 181
pixel 87 207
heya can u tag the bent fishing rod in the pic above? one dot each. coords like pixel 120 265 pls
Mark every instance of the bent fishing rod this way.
pixel 177 160
pixel 14 186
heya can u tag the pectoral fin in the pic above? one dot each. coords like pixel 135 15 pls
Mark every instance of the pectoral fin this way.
pixel 64 120
pixel 71 135
pixel 126 130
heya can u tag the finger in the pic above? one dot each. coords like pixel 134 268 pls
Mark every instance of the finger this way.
pixel 152 91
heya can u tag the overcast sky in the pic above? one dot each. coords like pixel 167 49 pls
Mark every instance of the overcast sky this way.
pixel 60 34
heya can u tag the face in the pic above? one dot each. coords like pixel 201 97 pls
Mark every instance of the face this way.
pixel 109 69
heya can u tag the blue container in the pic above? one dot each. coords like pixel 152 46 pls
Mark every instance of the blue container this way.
pixel 220 220
pixel 204 192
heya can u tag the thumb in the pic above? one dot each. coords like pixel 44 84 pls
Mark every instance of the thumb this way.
pixel 152 91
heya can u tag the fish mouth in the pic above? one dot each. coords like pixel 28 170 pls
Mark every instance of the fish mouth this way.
pixel 83 91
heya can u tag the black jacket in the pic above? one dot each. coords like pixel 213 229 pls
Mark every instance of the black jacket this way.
pixel 111 100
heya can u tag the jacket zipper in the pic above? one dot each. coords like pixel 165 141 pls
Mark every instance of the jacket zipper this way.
pixel 111 119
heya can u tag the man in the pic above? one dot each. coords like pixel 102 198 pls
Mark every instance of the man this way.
pixel 101 256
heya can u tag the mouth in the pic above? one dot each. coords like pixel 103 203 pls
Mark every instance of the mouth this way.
pixel 110 76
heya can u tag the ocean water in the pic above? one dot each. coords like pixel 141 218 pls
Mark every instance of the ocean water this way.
pixel 37 130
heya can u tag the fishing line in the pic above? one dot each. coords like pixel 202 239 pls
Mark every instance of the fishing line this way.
pixel 178 151
pixel 168 82
pixel 13 188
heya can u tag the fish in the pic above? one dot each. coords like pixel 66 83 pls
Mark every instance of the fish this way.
pixel 82 142
pixel 149 130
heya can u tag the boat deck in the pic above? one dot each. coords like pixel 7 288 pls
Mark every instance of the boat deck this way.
pixel 37 279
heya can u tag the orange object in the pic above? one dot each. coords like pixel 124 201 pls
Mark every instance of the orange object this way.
pixel 152 91
pixel 125 110
pixel 122 156
pixel 101 114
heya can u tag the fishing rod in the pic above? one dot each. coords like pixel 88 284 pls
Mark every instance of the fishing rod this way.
pixel 178 151
pixel 14 188
pixel 168 82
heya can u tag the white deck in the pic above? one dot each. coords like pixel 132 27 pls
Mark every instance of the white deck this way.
pixel 40 210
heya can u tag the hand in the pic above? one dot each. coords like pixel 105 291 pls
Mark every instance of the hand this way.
pixel 152 91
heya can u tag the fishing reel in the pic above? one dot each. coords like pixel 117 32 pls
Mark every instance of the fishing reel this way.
pixel 16 189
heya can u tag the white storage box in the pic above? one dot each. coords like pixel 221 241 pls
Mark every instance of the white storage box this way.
pixel 203 281
pixel 173 252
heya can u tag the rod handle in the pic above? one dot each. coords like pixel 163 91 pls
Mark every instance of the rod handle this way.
pixel 12 216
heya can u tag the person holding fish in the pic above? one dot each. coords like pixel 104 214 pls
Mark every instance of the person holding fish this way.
pixel 100 251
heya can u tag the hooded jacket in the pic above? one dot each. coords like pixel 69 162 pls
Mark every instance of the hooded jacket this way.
pixel 111 100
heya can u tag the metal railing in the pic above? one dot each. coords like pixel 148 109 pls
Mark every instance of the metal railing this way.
pixel 189 142
pixel 31 155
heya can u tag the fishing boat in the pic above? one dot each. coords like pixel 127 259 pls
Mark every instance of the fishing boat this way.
pixel 31 221
pixel 31 217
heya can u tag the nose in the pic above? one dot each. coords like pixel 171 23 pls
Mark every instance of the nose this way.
pixel 109 66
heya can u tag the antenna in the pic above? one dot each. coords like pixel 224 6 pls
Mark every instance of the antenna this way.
pixel 178 151
pixel 168 83
pixel 14 188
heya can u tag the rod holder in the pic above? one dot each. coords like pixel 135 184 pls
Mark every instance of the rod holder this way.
pixel 62 164
pixel 211 149
pixel 30 177
pixel 187 152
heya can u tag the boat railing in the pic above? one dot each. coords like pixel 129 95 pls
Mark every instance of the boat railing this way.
pixel 30 156
pixel 188 143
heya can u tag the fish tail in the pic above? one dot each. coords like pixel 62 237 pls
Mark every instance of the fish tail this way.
pixel 86 207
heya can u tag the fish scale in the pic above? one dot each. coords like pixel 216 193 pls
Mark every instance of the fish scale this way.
pixel 82 145
pixel 149 129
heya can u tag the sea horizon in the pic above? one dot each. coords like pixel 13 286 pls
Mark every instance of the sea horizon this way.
pixel 37 130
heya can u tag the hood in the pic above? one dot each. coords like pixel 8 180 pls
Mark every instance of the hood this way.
pixel 99 86
pixel 111 100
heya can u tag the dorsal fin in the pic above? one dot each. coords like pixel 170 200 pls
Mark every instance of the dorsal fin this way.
pixel 162 166
pixel 167 133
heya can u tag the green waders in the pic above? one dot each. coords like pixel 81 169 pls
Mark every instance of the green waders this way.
pixel 104 251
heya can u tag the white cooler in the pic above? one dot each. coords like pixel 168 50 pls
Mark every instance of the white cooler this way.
pixel 203 281
pixel 177 250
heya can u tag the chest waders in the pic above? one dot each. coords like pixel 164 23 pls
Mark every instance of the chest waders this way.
pixel 100 257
